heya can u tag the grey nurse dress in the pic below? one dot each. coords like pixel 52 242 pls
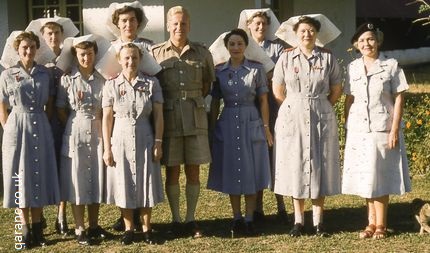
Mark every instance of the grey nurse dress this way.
pixel 240 156
pixel 28 146
pixel 135 181
pixel 371 169
pixel 306 138
pixel 81 165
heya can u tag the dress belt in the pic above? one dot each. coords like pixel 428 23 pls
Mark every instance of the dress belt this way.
pixel 87 115
pixel 238 103
pixel 299 95
pixel 30 109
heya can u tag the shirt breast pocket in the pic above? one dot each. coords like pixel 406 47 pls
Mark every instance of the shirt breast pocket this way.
pixel 195 70
pixel 170 73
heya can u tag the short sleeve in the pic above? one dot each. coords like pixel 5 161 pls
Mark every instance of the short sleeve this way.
pixel 4 96
pixel 108 97
pixel 398 82
pixel 157 94
pixel 279 71
pixel 61 101
pixel 261 79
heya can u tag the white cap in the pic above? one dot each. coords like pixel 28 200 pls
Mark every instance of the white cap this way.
pixel 109 67
pixel 327 33
pixel 115 6
pixel 69 29
pixel 66 60
pixel 245 15
pixel 253 52
pixel 10 56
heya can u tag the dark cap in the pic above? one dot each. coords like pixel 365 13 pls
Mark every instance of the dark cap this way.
pixel 362 29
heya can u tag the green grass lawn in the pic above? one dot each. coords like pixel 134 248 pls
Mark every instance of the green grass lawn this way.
pixel 344 217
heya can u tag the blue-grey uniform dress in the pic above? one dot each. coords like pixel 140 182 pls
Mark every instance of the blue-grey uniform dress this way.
pixel 306 137
pixel 273 49
pixel 135 181
pixel 57 128
pixel 371 169
pixel 28 145
pixel 81 165
pixel 240 163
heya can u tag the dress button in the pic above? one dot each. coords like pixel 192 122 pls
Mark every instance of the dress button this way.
pixel 36 172
pixel 181 72
pixel 365 119
pixel 35 135
pixel 31 108
pixel 365 101
pixel 237 127
pixel 88 132
pixel 88 144
pixel 238 159
pixel 238 181
pixel 237 116
pixel 35 147
pixel 36 160
pixel 235 103
pixel 238 137
pixel 34 123
pixel 89 168
pixel 238 170
pixel 36 197
pixel 37 185
pixel 238 148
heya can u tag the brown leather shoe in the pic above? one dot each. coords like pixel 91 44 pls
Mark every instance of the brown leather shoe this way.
pixel 193 229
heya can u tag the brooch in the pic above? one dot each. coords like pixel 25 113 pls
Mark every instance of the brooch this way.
pixel 296 70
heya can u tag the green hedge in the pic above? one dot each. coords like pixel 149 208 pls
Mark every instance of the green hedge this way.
pixel 416 119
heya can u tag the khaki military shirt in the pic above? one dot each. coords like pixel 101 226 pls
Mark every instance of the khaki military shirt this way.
pixel 182 80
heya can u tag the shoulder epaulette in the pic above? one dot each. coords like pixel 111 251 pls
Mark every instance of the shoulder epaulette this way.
pixel 325 50
pixel 289 49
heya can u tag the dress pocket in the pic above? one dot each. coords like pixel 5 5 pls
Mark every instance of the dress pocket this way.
pixel 256 130
pixel 10 134
pixel 328 125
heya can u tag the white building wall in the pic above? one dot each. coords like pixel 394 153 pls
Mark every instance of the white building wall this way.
pixel 4 26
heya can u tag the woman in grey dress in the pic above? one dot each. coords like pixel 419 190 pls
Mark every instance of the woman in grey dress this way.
pixel 81 168
pixel 240 135
pixel 29 165
pixel 133 155
pixel 375 156
pixel 306 84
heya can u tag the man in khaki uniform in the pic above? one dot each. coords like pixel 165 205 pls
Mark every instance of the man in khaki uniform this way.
pixel 186 77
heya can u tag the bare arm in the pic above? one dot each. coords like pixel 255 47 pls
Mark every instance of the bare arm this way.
pixel 213 114
pixel 348 102
pixel 107 126
pixel 159 129
pixel 393 137
pixel 264 109
pixel 279 93
pixel 335 93
pixel 205 89
pixel 3 113
pixel 50 107
pixel 62 115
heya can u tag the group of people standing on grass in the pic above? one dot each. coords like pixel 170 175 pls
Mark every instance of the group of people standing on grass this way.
pixel 125 107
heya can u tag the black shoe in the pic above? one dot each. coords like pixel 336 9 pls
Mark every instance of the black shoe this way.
pixel 127 239
pixel 250 229
pixel 61 227
pixel 148 238
pixel 193 229
pixel 175 229
pixel 99 233
pixel 320 231
pixel 297 230
pixel 119 225
pixel 26 237
pixel 83 239
pixel 37 232
pixel 43 221
pixel 282 216
pixel 258 217
pixel 237 228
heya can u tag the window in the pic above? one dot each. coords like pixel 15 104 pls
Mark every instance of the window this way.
pixel 63 8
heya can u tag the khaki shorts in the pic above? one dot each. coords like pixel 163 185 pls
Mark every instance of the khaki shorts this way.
pixel 191 150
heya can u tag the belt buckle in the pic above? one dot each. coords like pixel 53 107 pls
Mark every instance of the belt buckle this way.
pixel 183 94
